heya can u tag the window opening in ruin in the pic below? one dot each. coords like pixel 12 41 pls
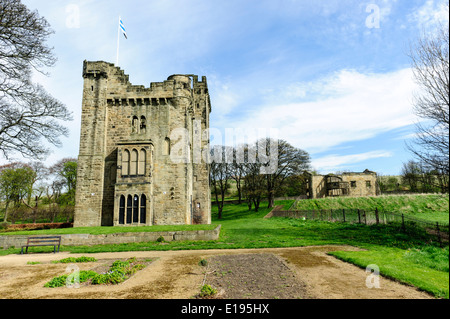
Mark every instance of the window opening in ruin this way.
pixel 353 183
pixel 368 184
pixel 135 209
pixel 122 210
pixel 141 162
pixel 126 163
pixel 129 209
pixel 133 162
pixel 134 124
pixel 143 127
pixel 166 150
pixel 143 209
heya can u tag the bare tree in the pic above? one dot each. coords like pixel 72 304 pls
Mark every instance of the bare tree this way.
pixel 254 188
pixel 238 170
pixel 430 62
pixel 291 161
pixel 28 112
pixel 411 172
pixel 220 175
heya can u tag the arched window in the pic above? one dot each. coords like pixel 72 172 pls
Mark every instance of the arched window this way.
pixel 122 210
pixel 135 209
pixel 143 124
pixel 166 149
pixel 141 162
pixel 133 162
pixel 129 209
pixel 134 124
pixel 143 209
pixel 126 163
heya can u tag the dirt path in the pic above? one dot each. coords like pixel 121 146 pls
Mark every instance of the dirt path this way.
pixel 177 275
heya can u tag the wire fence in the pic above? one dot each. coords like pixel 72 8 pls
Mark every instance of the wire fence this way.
pixel 405 223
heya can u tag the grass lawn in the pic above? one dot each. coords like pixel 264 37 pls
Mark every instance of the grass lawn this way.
pixel 425 273
pixel 109 230
pixel 407 257
pixel 432 207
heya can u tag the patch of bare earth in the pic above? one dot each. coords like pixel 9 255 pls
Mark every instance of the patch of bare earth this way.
pixel 253 276
pixel 300 272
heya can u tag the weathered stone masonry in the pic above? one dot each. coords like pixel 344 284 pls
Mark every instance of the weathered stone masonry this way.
pixel 125 172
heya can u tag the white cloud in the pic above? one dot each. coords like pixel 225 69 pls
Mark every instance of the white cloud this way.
pixel 346 106
pixel 430 14
pixel 335 162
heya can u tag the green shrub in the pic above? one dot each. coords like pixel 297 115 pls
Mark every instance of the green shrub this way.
pixel 111 277
pixel 203 262
pixel 118 272
pixel 60 281
pixel 207 291
pixel 81 259
pixel 160 239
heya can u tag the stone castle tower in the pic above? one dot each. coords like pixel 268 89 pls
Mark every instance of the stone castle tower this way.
pixel 125 172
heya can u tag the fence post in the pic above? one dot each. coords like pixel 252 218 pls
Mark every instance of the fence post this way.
pixel 359 217
pixel 343 213
pixel 439 234
pixel 376 216
pixel 403 222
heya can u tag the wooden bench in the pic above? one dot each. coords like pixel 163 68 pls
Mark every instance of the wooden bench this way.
pixel 43 241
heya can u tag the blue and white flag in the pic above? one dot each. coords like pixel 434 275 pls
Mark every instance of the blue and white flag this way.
pixel 123 29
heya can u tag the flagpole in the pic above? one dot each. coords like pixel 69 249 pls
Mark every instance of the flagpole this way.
pixel 118 40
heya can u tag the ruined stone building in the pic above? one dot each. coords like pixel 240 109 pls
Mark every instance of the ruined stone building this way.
pixel 345 184
pixel 125 172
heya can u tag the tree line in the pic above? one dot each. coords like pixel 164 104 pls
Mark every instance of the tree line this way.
pixel 253 182
pixel 23 186
pixel 424 178
pixel 415 177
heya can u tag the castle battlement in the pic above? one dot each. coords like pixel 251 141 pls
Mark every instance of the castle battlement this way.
pixel 99 69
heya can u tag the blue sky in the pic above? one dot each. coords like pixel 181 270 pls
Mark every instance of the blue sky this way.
pixel 331 76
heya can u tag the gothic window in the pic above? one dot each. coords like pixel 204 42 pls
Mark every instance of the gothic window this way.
pixel 129 209
pixel 133 162
pixel 126 163
pixel 143 209
pixel 143 125
pixel 135 209
pixel 141 162
pixel 166 150
pixel 122 210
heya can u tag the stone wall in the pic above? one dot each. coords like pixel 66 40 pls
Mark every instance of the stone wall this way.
pixel 17 241
pixel 358 184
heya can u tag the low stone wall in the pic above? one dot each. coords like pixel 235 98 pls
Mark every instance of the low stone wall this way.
pixel 17 241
